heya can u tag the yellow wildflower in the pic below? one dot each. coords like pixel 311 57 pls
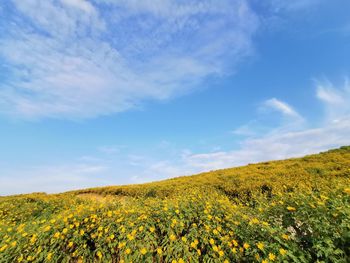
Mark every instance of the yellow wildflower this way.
pixel 291 208
pixel 260 245
pixel 286 237
pixel 272 256
pixel 235 243
pixel 283 251
pixel 3 247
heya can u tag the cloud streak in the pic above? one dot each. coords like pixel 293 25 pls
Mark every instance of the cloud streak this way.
pixel 282 107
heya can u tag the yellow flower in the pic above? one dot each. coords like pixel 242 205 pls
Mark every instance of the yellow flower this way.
pixel 283 251
pixel 260 245
pixel 184 239
pixel 56 235
pixel 254 221
pixel 181 261
pixel 14 243
pixel 286 237
pixel 121 244
pixel 99 254
pixel 172 237
pixel 49 256
pixel 246 245
pixel 65 230
pixel 151 229
pixel 70 244
pixel 272 256
pixel 264 261
pixel 47 228
pixel 3 247
pixel 234 250
pixel 140 228
pixel 347 191
pixel 143 251
pixel 221 253
pixel 235 243
pixel 159 251
pixel 211 241
pixel 82 232
pixel 291 208
pixel 130 237
pixel 128 251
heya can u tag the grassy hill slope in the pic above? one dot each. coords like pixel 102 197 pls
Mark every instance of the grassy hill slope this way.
pixel 295 210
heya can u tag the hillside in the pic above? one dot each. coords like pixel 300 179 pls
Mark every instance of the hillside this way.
pixel 295 210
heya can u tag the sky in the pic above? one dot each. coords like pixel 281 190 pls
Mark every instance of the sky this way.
pixel 112 92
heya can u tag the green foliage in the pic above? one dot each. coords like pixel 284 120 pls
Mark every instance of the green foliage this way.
pixel 296 210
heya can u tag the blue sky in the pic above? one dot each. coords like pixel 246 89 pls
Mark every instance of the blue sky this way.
pixel 104 92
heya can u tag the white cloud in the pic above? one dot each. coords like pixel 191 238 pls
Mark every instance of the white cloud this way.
pixel 288 141
pixel 329 95
pixel 80 4
pixel 295 5
pixel 336 100
pixel 72 59
pixel 282 107
pixel 277 146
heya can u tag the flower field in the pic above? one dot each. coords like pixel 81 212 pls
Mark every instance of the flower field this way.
pixel 296 210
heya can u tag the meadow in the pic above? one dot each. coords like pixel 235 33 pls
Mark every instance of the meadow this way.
pixel 295 210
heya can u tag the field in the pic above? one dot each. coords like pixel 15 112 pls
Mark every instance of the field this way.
pixel 296 210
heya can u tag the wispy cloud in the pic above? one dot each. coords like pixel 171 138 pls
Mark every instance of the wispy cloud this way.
pixel 293 5
pixel 80 59
pixel 282 107
pixel 336 100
